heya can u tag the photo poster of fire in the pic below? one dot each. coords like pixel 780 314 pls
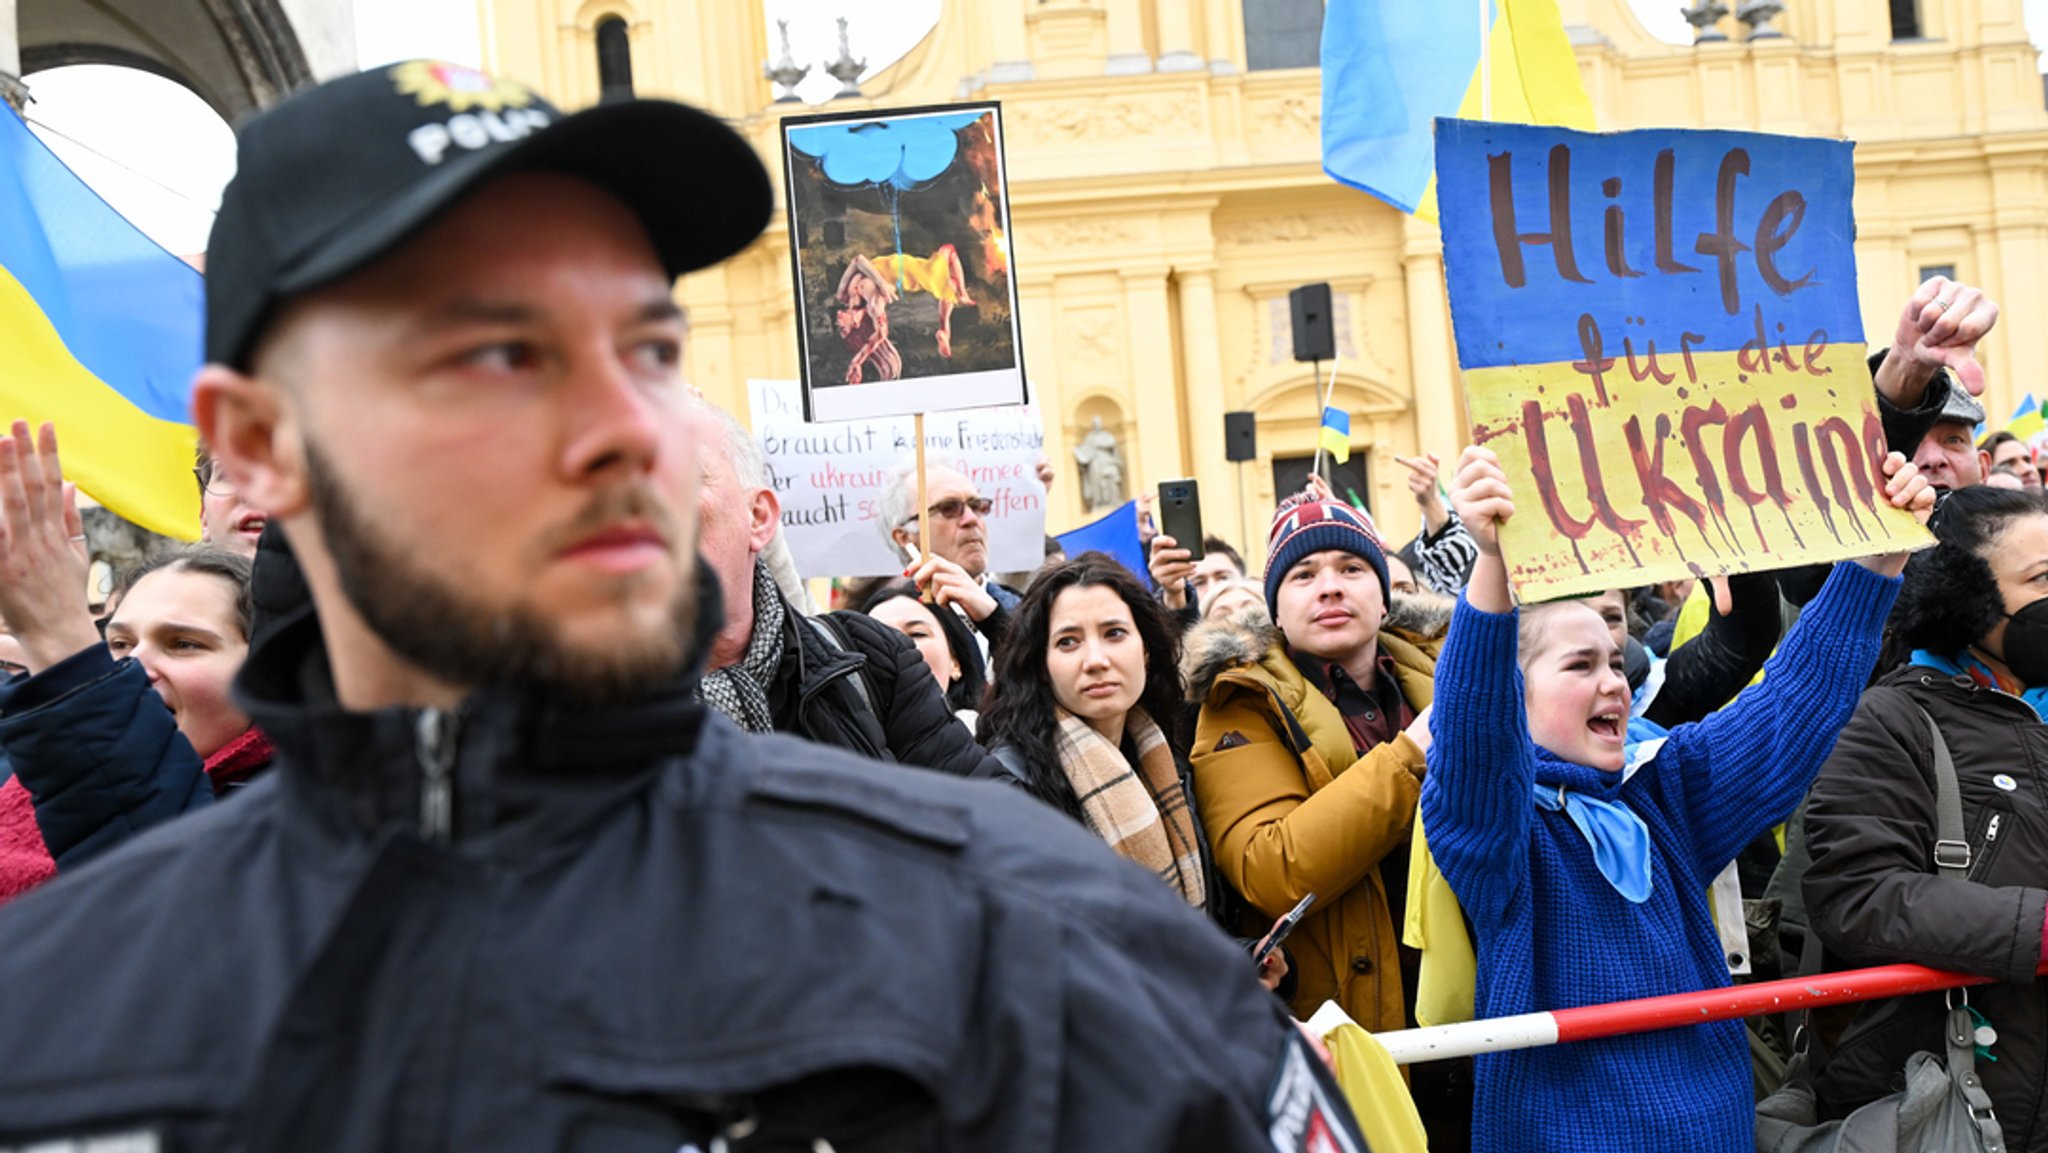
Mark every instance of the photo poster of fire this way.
pixel 906 301
pixel 1660 337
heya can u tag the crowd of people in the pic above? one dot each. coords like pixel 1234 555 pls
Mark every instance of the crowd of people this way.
pixel 545 811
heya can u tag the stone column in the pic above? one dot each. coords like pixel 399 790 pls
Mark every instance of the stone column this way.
pixel 1149 360
pixel 1440 424
pixel 1202 384
pixel 1177 47
pixel 1127 53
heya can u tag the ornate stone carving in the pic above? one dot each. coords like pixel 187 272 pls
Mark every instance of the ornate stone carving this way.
pixel 1290 115
pixel 1083 232
pixel 1095 121
pixel 1292 228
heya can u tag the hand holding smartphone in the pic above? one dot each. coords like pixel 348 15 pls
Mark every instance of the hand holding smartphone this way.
pixel 1180 515
pixel 1280 929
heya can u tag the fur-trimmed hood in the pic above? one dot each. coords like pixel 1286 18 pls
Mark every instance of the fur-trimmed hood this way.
pixel 1245 637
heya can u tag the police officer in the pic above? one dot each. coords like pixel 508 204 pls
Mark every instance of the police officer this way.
pixel 510 888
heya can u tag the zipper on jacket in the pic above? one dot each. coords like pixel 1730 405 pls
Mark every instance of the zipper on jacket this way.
pixel 439 731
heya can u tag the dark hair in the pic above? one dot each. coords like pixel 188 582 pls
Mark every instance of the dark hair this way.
pixel 968 688
pixel 2001 437
pixel 1950 597
pixel 234 568
pixel 1020 702
pixel 1218 545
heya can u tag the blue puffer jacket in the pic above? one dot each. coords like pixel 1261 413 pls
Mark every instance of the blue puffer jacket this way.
pixel 103 757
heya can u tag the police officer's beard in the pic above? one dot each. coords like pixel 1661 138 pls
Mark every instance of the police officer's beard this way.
pixel 438 627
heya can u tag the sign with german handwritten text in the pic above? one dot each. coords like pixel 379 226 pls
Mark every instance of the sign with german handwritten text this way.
pixel 1660 338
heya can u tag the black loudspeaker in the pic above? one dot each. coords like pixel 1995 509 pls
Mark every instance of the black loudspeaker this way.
pixel 1240 436
pixel 1314 337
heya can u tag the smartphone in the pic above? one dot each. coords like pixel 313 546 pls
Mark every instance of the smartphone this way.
pixel 1280 929
pixel 1180 514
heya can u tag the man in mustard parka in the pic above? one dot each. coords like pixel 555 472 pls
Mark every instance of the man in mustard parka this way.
pixel 1308 757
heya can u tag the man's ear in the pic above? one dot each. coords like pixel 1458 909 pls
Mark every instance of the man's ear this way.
pixel 765 513
pixel 247 429
pixel 1983 464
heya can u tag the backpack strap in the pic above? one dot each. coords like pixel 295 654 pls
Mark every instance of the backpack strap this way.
pixel 1951 851
pixel 829 629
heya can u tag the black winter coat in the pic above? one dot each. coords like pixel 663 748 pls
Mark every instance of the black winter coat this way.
pixel 1875 899
pixel 854 683
pixel 521 926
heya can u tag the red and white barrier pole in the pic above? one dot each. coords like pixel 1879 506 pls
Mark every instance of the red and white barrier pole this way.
pixel 1531 1030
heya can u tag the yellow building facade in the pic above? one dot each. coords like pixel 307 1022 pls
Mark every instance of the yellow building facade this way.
pixel 1165 198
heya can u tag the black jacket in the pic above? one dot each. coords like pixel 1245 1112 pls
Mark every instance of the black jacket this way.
pixel 634 927
pixel 1875 899
pixel 852 682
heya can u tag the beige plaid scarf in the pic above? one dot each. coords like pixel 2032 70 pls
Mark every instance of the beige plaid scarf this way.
pixel 1142 814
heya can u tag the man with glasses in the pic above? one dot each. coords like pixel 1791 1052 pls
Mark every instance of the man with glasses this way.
pixel 225 520
pixel 956 573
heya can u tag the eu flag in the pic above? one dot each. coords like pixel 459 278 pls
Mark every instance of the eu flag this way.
pixel 100 333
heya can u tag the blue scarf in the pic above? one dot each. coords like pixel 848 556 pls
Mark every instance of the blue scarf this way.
pixel 1618 837
pixel 1978 671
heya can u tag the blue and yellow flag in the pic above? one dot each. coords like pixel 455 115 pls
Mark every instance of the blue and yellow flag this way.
pixel 100 333
pixel 2027 420
pixel 1390 69
pixel 1335 436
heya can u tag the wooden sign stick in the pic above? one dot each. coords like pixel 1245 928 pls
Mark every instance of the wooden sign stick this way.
pixel 924 512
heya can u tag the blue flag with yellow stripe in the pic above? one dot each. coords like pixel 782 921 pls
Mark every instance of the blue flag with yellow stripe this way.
pixel 1335 435
pixel 100 334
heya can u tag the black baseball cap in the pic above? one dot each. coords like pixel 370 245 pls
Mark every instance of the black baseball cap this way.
pixel 341 174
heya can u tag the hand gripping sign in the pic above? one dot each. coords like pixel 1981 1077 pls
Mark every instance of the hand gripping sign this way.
pixel 1660 337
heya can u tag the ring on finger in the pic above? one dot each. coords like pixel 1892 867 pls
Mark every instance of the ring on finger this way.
pixel 1943 303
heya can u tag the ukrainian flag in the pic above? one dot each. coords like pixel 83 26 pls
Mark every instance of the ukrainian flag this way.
pixel 2028 420
pixel 1335 435
pixel 100 333
pixel 1390 69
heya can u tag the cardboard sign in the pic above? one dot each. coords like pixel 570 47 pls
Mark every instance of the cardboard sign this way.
pixel 830 479
pixel 898 227
pixel 1660 338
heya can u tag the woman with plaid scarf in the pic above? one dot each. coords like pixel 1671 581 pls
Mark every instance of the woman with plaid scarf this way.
pixel 1087 716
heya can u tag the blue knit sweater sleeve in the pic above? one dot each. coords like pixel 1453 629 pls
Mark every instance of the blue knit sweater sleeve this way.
pixel 1476 806
pixel 1744 768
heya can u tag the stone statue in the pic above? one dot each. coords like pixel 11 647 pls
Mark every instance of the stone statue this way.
pixel 1102 468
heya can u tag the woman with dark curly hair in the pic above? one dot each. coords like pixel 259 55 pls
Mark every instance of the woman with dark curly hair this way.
pixel 1087 715
pixel 1973 619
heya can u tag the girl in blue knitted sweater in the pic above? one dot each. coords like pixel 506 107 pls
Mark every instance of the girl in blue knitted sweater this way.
pixel 1586 881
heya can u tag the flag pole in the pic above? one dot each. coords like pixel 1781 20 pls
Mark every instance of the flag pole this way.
pixel 1315 467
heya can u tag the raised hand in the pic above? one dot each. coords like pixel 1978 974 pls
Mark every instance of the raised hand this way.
pixel 1171 568
pixel 1904 488
pixel 946 583
pixel 43 561
pixel 1940 326
pixel 1480 494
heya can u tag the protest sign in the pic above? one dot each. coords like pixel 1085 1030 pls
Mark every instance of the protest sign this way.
pixel 830 478
pixel 1660 338
pixel 898 226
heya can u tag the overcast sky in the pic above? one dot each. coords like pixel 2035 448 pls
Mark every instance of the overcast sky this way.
pixel 160 155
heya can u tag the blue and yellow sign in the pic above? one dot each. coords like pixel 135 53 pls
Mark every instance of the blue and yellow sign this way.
pixel 1660 338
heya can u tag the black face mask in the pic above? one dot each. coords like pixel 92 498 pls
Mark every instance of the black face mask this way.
pixel 2026 643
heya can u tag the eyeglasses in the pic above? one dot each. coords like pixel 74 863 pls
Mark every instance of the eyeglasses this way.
pixel 952 507
pixel 212 481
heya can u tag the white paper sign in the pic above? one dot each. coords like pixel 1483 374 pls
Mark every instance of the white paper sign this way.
pixel 830 478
